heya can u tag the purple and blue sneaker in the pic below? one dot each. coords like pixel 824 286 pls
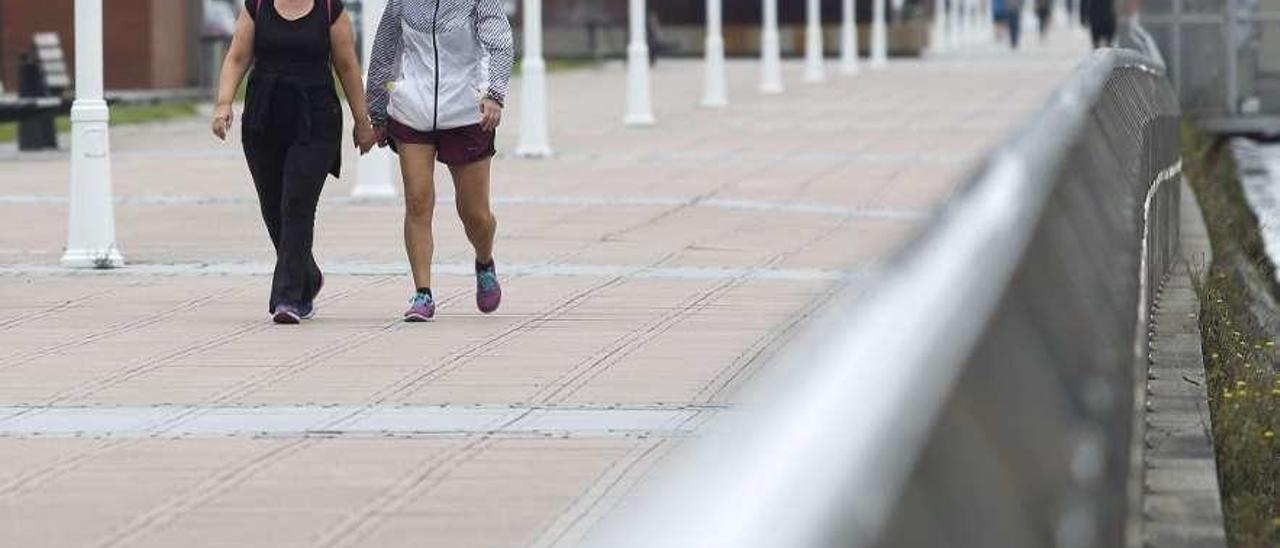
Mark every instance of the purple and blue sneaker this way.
pixel 422 308
pixel 488 290
pixel 286 314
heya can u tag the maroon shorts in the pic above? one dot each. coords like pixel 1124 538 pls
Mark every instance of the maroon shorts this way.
pixel 454 147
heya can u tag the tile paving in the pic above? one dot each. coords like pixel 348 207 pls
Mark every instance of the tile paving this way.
pixel 648 274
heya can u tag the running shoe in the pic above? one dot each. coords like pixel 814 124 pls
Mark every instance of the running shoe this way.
pixel 488 290
pixel 422 308
pixel 286 314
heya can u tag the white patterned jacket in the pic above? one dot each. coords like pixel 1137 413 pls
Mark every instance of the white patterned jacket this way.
pixel 434 60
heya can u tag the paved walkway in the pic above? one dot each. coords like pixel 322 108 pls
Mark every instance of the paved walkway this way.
pixel 648 274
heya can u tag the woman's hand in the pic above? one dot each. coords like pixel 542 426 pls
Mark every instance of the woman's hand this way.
pixel 364 136
pixel 223 115
pixel 491 114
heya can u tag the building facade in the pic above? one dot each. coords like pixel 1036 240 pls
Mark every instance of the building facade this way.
pixel 149 43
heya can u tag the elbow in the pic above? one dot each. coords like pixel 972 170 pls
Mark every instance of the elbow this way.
pixel 237 60
pixel 347 68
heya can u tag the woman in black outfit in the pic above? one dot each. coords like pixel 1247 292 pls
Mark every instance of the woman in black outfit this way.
pixel 292 130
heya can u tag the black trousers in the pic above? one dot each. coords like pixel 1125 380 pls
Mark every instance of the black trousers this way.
pixel 290 157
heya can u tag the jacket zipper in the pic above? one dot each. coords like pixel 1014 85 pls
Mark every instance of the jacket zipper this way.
pixel 435 49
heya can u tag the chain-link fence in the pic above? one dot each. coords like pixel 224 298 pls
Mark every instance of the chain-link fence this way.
pixel 1223 55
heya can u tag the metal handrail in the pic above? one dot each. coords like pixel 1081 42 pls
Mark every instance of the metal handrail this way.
pixel 850 413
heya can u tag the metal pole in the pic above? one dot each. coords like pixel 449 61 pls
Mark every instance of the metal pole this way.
pixel 535 140
pixel 91 241
pixel 375 171
pixel 879 36
pixel 771 51
pixel 1229 34
pixel 639 103
pixel 715 93
pixel 814 71
pixel 1175 40
pixel 849 40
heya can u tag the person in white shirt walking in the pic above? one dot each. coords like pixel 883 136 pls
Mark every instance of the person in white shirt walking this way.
pixel 433 97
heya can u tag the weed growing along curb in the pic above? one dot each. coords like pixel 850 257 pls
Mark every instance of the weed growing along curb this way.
pixel 1241 357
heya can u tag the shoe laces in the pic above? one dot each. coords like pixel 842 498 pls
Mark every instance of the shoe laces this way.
pixel 420 299
pixel 488 280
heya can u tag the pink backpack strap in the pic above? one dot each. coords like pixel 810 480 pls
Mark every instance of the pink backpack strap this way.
pixel 328 6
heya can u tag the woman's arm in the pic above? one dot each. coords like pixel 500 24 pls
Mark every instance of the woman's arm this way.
pixel 384 63
pixel 494 31
pixel 342 36
pixel 239 59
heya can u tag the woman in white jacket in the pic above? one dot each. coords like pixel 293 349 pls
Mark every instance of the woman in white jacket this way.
pixel 433 96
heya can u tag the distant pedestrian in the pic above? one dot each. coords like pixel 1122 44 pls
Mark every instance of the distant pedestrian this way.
pixel 1043 14
pixel 998 10
pixel 1102 22
pixel 292 130
pixel 433 97
pixel 1013 16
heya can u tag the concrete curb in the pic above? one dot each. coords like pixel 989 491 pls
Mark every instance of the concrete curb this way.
pixel 1181 504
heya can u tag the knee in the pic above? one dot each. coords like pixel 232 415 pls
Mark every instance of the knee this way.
pixel 419 206
pixel 478 219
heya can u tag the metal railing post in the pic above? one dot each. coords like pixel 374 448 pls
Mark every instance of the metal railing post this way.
pixel 1232 68
pixel 1175 41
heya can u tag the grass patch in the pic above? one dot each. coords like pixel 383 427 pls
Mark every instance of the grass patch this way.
pixel 561 65
pixel 1240 354
pixel 120 115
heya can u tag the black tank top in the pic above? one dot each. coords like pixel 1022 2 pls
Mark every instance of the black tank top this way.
pixel 293 57
pixel 298 48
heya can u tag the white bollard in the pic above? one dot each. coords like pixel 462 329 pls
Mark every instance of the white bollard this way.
pixel 814 69
pixel 715 94
pixel 1061 19
pixel 938 30
pixel 770 51
pixel 849 63
pixel 639 102
pixel 976 10
pixel 375 171
pixel 954 15
pixel 91 237
pixel 535 140
pixel 988 21
pixel 879 36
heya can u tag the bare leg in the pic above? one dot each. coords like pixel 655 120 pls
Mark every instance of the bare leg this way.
pixel 417 162
pixel 471 185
